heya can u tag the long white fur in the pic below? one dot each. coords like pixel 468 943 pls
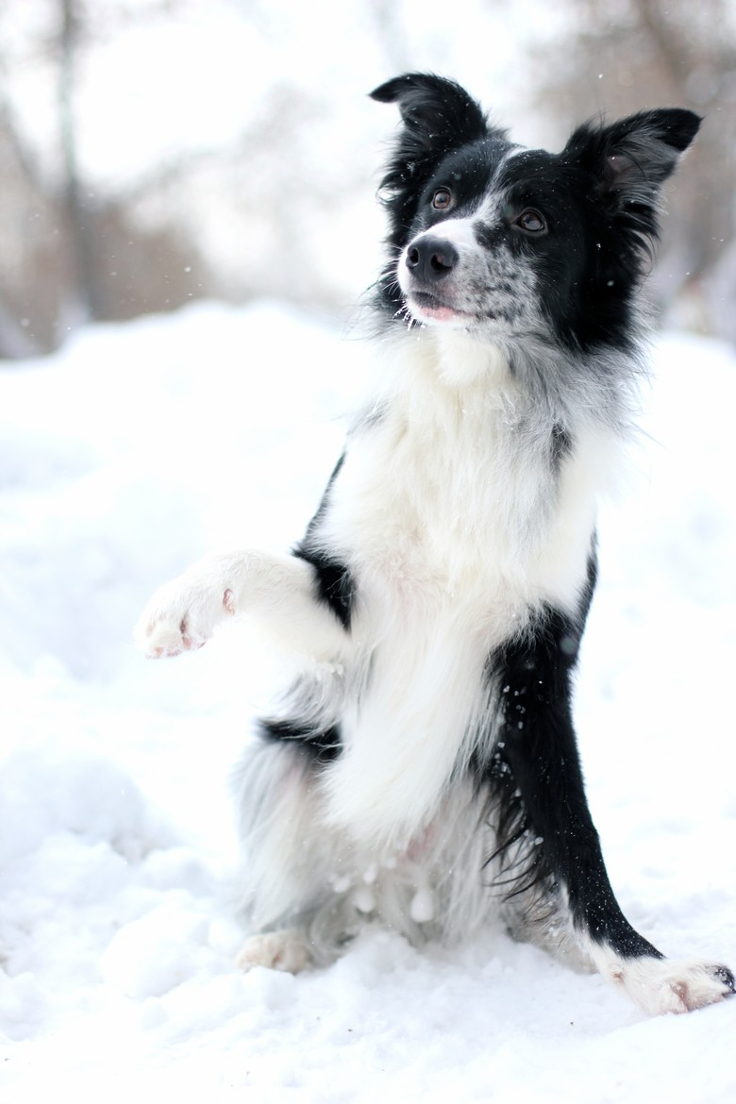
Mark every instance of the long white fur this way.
pixel 430 608
pixel 304 874
pixel 452 545
pixel 381 831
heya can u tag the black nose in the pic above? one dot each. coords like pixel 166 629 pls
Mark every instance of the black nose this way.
pixel 431 259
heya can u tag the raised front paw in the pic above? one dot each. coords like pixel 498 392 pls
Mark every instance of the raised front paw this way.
pixel 183 614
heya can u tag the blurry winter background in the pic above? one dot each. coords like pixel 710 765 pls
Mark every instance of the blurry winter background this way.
pixel 187 217
pixel 156 151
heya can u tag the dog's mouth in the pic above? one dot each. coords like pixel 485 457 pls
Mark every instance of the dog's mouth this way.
pixel 427 307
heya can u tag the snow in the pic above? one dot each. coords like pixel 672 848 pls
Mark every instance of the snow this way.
pixel 126 456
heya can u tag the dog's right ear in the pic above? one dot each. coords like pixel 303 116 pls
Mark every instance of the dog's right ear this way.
pixel 439 116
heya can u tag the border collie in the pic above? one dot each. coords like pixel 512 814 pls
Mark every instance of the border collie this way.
pixel 423 767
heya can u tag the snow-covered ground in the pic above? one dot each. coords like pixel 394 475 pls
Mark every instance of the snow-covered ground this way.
pixel 126 456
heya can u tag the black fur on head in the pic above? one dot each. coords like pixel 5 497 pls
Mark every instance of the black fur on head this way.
pixel 599 200
pixel 630 161
pixel 439 117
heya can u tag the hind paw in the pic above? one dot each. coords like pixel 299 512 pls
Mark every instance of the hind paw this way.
pixel 279 950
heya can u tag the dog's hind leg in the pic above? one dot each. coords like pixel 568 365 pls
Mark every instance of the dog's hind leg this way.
pixel 292 864
pixel 543 811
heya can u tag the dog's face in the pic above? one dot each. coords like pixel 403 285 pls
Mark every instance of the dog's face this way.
pixel 495 228
pixel 488 235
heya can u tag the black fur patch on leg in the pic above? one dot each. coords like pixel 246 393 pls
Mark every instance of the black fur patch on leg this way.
pixel 545 830
pixel 321 746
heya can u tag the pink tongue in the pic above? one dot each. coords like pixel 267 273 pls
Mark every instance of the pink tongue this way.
pixel 441 314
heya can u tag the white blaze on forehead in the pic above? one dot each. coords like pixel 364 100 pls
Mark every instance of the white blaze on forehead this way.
pixel 459 231
pixel 491 209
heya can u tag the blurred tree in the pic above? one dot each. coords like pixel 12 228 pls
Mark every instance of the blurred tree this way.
pixel 17 185
pixel 623 55
pixel 153 151
pixel 69 253
pixel 79 220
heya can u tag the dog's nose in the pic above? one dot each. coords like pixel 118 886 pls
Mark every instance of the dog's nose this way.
pixel 431 259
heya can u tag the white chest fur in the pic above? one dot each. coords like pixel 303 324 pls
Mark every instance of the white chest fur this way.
pixel 451 491
pixel 456 523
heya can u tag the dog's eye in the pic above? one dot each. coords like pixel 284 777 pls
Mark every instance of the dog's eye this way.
pixel 442 199
pixel 532 222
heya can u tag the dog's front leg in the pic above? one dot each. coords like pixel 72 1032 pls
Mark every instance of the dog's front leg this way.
pixel 280 592
pixel 538 745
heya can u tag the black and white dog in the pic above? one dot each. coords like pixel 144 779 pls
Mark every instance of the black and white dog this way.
pixel 424 768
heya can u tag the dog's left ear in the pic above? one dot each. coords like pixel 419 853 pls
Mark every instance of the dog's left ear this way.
pixel 630 160
pixel 633 157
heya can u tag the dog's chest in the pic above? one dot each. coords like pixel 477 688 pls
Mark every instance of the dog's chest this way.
pixel 449 496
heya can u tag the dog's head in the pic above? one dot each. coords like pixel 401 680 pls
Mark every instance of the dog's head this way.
pixel 485 234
